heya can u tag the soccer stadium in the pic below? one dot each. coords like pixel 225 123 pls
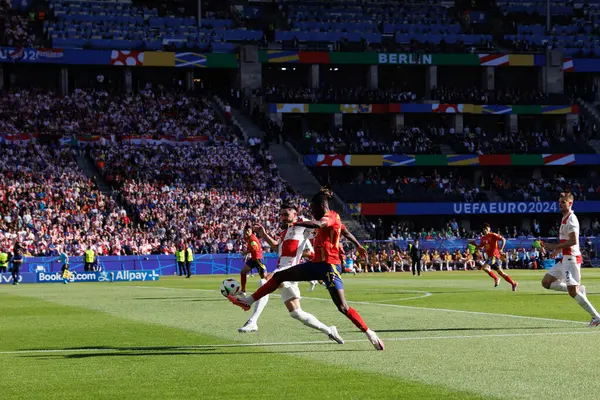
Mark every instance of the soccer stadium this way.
pixel 300 199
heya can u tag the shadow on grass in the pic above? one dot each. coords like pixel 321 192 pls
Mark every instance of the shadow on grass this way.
pixel 199 352
pixel 179 298
pixel 462 329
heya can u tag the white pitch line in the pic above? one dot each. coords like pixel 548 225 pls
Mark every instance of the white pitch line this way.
pixel 209 346
pixel 401 306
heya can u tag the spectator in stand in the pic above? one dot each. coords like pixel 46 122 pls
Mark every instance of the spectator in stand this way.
pixel 203 194
pixel 343 95
pixel 45 200
pixel 151 114
pixel 16 31
pixel 502 96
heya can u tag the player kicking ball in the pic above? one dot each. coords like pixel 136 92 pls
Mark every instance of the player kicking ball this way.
pixel 291 249
pixel 324 266
pixel 565 275
pixel 489 242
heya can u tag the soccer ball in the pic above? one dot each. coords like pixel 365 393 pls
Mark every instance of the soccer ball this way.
pixel 230 287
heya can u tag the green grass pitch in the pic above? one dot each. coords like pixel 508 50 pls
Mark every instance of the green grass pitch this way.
pixel 448 335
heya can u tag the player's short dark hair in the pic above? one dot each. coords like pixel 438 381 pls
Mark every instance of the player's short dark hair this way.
pixel 323 195
pixel 486 225
pixel 248 227
pixel 288 206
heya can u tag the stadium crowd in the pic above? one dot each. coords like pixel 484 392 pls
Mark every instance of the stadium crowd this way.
pixel 17 32
pixel 409 140
pixel 393 185
pixel 396 94
pixel 542 189
pixel 476 95
pixel 47 203
pixel 203 195
pixel 98 112
pixel 427 138
pixel 330 94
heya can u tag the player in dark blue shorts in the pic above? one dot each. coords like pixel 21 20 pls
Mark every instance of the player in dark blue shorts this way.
pixel 325 266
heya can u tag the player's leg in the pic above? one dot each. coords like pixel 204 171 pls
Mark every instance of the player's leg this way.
pixel 243 275
pixel 498 267
pixel 252 324
pixel 312 285
pixel 290 294
pixel 15 274
pixel 553 279
pixel 577 291
pixel 262 269
pixel 298 273
pixel 337 295
pixel 486 268
pixel 64 273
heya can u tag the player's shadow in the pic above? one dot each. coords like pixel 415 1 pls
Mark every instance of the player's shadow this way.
pixel 467 329
pixel 200 352
pixel 169 348
pixel 178 298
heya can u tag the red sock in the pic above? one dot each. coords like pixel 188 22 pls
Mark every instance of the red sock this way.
pixel 508 279
pixel 492 274
pixel 243 278
pixel 265 289
pixel 356 319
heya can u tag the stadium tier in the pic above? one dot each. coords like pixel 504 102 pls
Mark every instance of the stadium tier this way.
pixel 129 86
pixel 414 172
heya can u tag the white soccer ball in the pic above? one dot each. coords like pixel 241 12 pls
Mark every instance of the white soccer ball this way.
pixel 230 287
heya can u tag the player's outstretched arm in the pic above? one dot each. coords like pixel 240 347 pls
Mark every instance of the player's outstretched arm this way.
pixel 346 233
pixel 322 223
pixel 263 233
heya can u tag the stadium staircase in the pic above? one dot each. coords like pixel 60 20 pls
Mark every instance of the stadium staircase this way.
pixel 248 129
pixel 86 164
pixel 292 169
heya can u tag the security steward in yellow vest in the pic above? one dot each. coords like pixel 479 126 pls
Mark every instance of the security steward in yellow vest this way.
pixel 3 262
pixel 180 256
pixel 189 257
pixel 89 257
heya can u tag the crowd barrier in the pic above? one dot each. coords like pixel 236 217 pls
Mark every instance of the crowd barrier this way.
pixel 162 264
pixel 461 244
pixel 205 264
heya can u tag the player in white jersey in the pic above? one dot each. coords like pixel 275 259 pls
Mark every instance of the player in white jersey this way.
pixel 565 276
pixel 291 246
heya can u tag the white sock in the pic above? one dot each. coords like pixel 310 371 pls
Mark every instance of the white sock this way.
pixel 586 305
pixel 558 286
pixel 314 282
pixel 260 304
pixel 310 320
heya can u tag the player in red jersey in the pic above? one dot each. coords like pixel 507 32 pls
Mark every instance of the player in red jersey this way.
pixel 324 266
pixel 489 242
pixel 254 258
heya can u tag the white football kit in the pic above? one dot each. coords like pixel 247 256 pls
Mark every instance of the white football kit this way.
pixel 569 268
pixel 293 241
